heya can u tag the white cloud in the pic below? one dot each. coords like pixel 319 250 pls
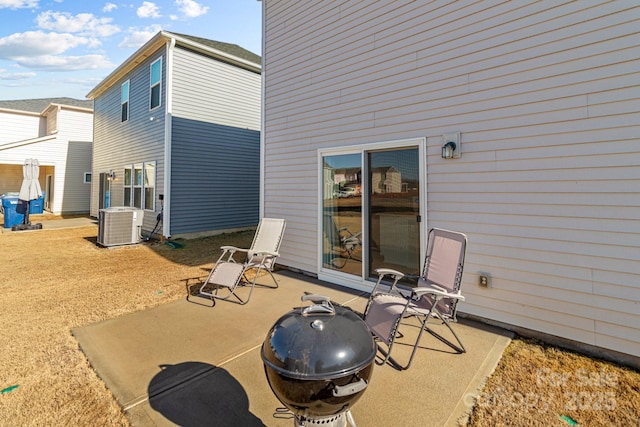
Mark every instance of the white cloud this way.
pixel 65 63
pixel 16 76
pixel 148 10
pixel 137 38
pixel 191 8
pixel 109 7
pixel 82 23
pixel 36 43
pixel 18 4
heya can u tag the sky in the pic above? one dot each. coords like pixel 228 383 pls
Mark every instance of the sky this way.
pixel 64 48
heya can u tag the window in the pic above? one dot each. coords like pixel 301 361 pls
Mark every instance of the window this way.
pixel 127 186
pixel 149 185
pixel 156 79
pixel 124 101
pixel 87 178
pixel 139 185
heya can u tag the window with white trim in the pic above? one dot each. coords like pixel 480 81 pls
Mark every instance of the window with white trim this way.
pixel 149 185
pixel 155 83
pixel 127 186
pixel 139 185
pixel 124 101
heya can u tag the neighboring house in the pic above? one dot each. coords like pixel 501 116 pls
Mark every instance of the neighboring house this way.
pixel 59 133
pixel 543 102
pixel 177 127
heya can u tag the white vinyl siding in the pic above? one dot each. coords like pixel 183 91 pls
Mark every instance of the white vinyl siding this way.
pixel 66 155
pixel 17 126
pixel 224 94
pixel 545 96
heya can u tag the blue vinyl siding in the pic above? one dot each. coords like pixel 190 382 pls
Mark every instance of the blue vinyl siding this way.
pixel 118 144
pixel 215 177
pixel 214 110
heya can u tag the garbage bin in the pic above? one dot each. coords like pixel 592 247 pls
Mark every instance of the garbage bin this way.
pixel 37 206
pixel 11 216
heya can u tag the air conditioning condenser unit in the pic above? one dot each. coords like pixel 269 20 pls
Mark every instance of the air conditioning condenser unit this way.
pixel 119 226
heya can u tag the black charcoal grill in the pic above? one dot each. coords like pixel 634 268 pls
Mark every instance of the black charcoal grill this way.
pixel 318 361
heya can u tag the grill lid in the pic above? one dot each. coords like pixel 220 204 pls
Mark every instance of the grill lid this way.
pixel 318 342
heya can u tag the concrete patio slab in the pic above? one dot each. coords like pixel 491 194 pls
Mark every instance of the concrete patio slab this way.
pixel 185 363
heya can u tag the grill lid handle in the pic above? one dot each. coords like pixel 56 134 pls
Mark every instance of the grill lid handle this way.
pixel 321 305
pixel 349 389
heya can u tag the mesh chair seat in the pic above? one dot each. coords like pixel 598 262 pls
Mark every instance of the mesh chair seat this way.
pixel 436 296
pixel 229 274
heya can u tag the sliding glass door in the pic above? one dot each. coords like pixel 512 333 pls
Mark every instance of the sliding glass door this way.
pixel 394 210
pixel 371 212
pixel 342 213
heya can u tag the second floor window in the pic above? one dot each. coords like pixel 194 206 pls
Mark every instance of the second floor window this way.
pixel 124 101
pixel 156 79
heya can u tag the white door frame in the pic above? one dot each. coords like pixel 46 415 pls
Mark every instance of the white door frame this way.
pixel 48 188
pixel 362 283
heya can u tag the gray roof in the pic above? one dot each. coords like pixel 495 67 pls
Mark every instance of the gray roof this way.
pixel 39 105
pixel 231 49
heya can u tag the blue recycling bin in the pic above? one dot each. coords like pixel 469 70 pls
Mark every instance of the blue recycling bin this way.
pixel 37 206
pixel 11 216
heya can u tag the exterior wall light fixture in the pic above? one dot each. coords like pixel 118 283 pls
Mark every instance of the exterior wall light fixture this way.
pixel 452 147
pixel 448 149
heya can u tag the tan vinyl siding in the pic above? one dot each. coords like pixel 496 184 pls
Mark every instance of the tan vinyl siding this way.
pixel 52 122
pixel 546 97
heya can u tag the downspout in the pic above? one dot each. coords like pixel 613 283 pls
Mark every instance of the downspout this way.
pixel 262 116
pixel 166 215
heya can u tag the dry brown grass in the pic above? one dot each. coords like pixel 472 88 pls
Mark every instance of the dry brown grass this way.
pixel 541 385
pixel 52 281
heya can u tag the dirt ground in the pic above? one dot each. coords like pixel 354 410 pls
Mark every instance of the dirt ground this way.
pixel 54 280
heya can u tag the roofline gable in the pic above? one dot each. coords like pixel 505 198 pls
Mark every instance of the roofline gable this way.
pixel 66 107
pixel 40 106
pixel 155 43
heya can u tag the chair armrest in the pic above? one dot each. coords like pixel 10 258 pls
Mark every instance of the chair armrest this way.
pixel 382 273
pixel 230 250
pixel 389 272
pixel 349 234
pixel 233 248
pixel 265 253
pixel 438 292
